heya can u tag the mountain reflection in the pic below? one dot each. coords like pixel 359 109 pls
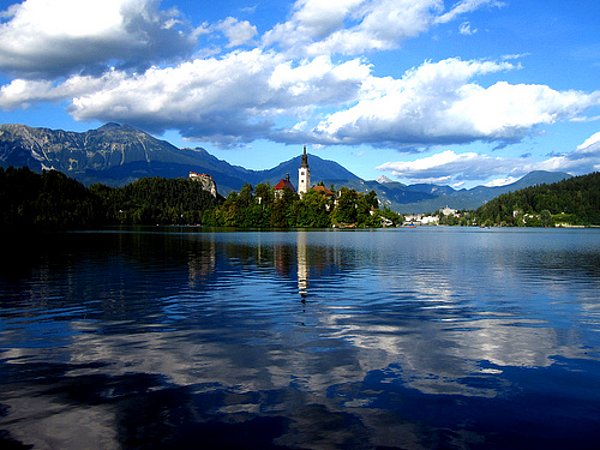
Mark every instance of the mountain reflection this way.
pixel 204 328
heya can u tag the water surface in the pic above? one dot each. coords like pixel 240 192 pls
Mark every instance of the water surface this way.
pixel 409 338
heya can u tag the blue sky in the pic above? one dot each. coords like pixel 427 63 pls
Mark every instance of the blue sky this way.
pixel 461 92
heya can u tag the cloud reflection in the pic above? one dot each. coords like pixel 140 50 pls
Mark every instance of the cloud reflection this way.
pixel 225 329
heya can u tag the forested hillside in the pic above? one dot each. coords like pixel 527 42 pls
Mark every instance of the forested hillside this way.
pixel 575 201
pixel 150 201
pixel 49 201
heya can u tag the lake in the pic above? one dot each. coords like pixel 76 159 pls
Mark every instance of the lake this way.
pixel 406 338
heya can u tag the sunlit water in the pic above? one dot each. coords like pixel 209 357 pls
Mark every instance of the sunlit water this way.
pixel 411 338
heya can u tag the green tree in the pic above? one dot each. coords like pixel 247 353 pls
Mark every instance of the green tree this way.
pixel 546 219
pixel 312 211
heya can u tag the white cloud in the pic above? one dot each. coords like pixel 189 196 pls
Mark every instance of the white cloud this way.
pixel 501 181
pixel 356 26
pixel 260 94
pixel 295 87
pixel 591 144
pixel 21 93
pixel 466 6
pixel 55 37
pixel 466 30
pixel 225 100
pixel 585 158
pixel 440 103
pixel 449 166
pixel 311 20
pixel 237 32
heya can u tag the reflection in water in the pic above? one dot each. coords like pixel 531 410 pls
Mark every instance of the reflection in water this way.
pixel 412 339
pixel 202 264
pixel 302 265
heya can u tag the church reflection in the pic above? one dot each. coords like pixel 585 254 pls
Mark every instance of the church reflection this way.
pixel 295 257
pixel 303 267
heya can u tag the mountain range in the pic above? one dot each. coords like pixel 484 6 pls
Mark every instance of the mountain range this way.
pixel 118 154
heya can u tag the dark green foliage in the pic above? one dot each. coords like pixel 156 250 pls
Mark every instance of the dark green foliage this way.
pixel 575 201
pixel 49 200
pixel 355 208
pixel 151 201
pixel 261 208
pixel 312 211
pixel 54 201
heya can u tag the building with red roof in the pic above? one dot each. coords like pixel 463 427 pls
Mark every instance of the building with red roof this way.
pixel 323 190
pixel 284 183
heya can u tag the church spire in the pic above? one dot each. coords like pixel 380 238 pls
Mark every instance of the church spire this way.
pixel 304 175
pixel 304 159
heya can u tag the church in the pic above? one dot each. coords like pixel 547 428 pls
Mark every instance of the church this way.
pixel 303 179
pixel 304 175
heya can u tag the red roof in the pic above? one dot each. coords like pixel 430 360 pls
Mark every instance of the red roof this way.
pixel 322 189
pixel 284 183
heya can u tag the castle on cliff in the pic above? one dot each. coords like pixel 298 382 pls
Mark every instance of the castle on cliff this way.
pixel 208 184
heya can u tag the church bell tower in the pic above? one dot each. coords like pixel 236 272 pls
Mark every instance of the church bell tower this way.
pixel 304 175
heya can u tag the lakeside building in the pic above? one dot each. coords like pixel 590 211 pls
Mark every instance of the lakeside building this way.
pixel 421 219
pixel 447 211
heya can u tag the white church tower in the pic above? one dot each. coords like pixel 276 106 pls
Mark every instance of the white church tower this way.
pixel 304 175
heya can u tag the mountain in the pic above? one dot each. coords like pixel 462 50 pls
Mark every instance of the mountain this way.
pixel 118 154
pixel 477 196
pixel 114 154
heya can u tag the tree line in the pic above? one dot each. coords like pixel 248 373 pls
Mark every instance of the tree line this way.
pixel 51 200
pixel 575 201
pixel 263 207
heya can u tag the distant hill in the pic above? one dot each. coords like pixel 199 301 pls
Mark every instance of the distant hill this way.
pixel 119 154
pixel 575 201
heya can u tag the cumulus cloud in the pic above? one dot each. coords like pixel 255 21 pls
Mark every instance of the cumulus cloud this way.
pixel 43 38
pixel 263 94
pixel 353 27
pixel 301 82
pixel 441 103
pixel 585 158
pixel 225 100
pixel 21 93
pixel 237 32
pixel 449 166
